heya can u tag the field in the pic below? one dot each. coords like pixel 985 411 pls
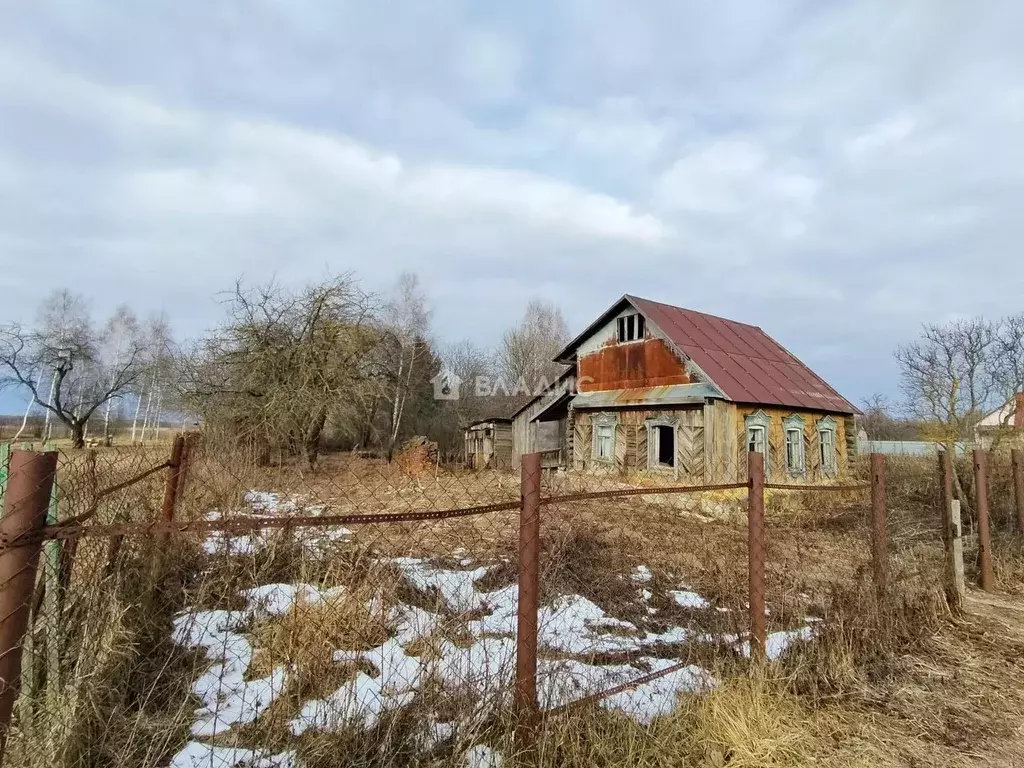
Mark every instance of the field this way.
pixel 393 643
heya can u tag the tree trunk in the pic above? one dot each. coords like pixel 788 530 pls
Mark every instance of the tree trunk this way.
pixel 24 420
pixel 135 420
pixel 78 434
pixel 311 440
pixel 49 401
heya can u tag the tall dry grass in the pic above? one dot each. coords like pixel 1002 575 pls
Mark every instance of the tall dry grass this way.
pixel 119 692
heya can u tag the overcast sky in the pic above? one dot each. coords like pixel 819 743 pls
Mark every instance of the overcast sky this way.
pixel 835 172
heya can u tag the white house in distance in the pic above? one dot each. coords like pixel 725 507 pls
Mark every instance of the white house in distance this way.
pixel 1007 420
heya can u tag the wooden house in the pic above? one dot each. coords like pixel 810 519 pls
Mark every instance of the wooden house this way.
pixel 489 444
pixel 655 388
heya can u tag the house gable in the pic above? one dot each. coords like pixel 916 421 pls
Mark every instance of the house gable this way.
pixel 738 361
pixel 612 356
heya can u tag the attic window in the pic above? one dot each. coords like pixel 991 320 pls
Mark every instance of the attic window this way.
pixel 631 328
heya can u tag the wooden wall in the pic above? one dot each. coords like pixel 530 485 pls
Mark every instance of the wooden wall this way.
pixel 493 452
pixel 631 450
pixel 720 449
pixel 775 465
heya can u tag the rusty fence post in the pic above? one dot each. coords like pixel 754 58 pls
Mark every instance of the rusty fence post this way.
pixel 879 540
pixel 984 536
pixel 946 478
pixel 525 703
pixel 756 552
pixel 30 484
pixel 1018 486
pixel 173 479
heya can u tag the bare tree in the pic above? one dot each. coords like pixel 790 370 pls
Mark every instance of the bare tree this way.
pixel 525 357
pixel 120 333
pixel 65 348
pixel 880 419
pixel 406 327
pixel 281 362
pixel 1008 362
pixel 947 376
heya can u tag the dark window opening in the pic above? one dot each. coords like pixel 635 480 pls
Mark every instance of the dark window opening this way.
pixel 630 328
pixel 665 440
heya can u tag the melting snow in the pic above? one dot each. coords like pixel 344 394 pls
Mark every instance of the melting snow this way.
pixel 687 599
pixel 199 755
pixel 390 677
pixel 482 756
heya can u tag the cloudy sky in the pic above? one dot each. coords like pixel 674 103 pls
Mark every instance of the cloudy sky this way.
pixel 836 172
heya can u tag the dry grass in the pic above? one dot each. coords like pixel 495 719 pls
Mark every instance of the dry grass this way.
pixel 897 681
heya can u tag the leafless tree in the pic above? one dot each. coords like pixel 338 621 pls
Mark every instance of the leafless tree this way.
pixel 120 333
pixel 406 327
pixel 271 374
pixel 881 421
pixel 65 349
pixel 524 360
pixel 947 376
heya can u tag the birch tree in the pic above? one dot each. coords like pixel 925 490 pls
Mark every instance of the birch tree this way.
pixel 120 334
pixel 406 327
pixel 64 348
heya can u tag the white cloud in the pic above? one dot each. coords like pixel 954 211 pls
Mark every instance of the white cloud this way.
pixel 836 173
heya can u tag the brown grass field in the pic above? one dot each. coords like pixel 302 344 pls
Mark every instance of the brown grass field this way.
pixel 891 680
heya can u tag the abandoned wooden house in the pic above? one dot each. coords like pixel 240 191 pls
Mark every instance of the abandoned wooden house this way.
pixel 655 388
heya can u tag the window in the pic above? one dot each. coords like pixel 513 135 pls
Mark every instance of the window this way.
pixel 664 445
pixel 755 440
pixel 794 451
pixel 757 434
pixel 827 444
pixel 794 426
pixel 604 436
pixel 631 328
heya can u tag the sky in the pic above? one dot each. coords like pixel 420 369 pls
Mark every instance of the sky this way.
pixel 835 172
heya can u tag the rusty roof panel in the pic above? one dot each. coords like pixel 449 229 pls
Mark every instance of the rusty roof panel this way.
pixel 747 364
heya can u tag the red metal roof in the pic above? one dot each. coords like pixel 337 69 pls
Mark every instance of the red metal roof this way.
pixel 747 364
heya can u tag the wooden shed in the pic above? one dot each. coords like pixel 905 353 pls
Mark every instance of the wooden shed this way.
pixel 489 444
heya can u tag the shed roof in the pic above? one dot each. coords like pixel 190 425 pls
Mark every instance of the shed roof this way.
pixel 742 361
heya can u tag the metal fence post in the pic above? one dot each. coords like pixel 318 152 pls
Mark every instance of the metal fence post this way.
pixel 984 537
pixel 1018 486
pixel 756 551
pixel 879 543
pixel 28 500
pixel 173 479
pixel 529 599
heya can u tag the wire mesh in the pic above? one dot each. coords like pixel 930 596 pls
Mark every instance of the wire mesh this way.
pixel 366 613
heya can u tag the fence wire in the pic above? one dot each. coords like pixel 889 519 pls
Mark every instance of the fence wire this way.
pixel 366 613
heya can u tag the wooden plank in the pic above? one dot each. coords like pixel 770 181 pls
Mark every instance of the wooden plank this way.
pixel 620 445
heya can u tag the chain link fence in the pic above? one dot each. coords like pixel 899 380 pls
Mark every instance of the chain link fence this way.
pixel 185 606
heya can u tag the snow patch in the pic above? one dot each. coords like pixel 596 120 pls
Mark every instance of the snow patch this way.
pixel 199 755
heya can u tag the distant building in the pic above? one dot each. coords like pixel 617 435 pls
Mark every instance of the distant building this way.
pixel 1005 422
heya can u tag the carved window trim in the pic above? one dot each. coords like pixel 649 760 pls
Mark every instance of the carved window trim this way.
pixel 828 426
pixel 599 421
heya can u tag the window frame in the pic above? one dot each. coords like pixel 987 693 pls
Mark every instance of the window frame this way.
pixel 759 421
pixel 828 426
pixel 599 422
pixel 790 425
pixel 651 423
pixel 630 328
